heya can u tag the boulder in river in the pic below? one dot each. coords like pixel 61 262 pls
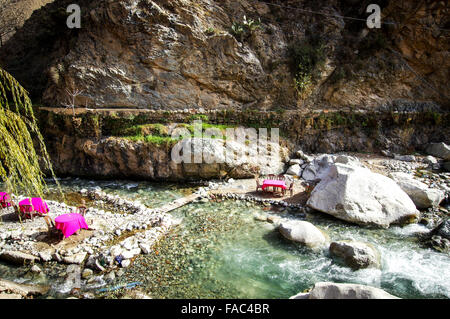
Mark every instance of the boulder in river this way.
pixel 422 196
pixel 330 290
pixel 303 232
pixel 355 254
pixel 357 195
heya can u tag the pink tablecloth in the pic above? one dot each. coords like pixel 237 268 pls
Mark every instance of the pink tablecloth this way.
pixel 70 223
pixel 5 199
pixel 273 183
pixel 39 205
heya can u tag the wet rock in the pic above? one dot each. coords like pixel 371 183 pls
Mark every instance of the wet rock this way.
pixel 442 230
pixel 18 258
pixel 302 232
pixel 355 254
pixel 357 195
pixel 36 269
pixel 330 290
pixel 259 217
pixel 21 289
pixel 422 196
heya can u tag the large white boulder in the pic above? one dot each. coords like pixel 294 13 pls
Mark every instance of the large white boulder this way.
pixel 318 168
pixel 330 290
pixel 422 196
pixel 357 195
pixel 303 232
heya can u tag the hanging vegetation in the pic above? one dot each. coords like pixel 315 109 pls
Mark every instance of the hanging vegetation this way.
pixel 20 140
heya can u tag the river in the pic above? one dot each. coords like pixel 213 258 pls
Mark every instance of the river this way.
pixel 221 251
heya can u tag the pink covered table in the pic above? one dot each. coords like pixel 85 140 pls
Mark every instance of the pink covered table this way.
pixel 70 223
pixel 5 199
pixel 37 205
pixel 273 183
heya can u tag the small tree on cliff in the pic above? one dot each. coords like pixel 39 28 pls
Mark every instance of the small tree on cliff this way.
pixel 72 95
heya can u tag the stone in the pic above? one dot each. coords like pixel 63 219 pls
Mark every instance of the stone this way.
pixel 22 289
pixel 354 254
pixel 75 259
pixel 430 160
pixel 18 258
pixel 45 256
pixel 125 263
pixel 440 150
pixel 295 170
pixel 348 160
pixel 302 232
pixel 296 161
pixel 405 158
pixel 422 196
pixel 36 269
pixel 357 195
pixel 145 248
pixel 330 290
pixel 273 219
pixel 87 273
pixel 10 296
pixel 442 230
pixel 318 168
pixel 110 277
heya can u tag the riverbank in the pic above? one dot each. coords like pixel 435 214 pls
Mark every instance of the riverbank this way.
pixel 130 223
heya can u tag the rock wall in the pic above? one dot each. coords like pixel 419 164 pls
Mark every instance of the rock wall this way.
pixel 183 54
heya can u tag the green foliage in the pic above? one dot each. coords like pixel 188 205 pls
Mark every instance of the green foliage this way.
pixel 245 28
pixel 201 117
pixel 19 162
pixel 306 61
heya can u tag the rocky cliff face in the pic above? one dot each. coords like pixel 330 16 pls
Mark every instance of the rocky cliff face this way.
pixel 233 54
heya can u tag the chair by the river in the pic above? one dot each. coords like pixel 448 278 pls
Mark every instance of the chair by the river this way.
pixel 53 232
pixel 258 185
pixel 290 189
pixel 82 208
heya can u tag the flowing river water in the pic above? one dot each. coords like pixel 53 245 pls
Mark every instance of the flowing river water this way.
pixel 221 251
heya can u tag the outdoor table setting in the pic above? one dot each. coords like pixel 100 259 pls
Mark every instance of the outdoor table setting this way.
pixel 5 200
pixel 70 223
pixel 37 205
pixel 274 184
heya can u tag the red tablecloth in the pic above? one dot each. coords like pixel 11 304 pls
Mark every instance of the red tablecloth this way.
pixel 39 205
pixel 70 223
pixel 273 183
pixel 5 199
